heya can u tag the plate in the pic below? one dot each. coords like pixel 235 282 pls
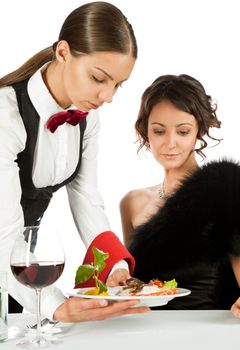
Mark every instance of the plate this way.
pixel 148 300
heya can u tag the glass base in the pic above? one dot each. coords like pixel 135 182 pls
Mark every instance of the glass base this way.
pixel 48 331
pixel 35 342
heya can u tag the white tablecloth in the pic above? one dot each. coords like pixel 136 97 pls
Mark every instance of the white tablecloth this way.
pixel 168 330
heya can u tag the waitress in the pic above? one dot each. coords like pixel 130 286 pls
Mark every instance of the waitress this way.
pixel 48 139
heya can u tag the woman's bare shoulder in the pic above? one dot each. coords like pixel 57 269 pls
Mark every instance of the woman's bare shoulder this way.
pixel 138 196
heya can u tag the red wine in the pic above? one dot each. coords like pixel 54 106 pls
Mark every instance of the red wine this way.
pixel 37 275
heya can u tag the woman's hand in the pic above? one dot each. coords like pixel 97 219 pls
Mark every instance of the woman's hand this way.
pixel 236 308
pixel 76 309
pixel 118 277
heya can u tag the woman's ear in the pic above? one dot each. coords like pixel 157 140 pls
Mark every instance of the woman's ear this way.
pixel 62 51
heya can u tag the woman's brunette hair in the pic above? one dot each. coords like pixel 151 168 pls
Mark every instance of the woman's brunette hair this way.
pixel 185 93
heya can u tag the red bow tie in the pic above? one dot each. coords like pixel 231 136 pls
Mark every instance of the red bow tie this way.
pixel 72 116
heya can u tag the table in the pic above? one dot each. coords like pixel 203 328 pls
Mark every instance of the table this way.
pixel 178 330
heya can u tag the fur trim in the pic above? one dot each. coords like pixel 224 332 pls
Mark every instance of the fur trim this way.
pixel 199 224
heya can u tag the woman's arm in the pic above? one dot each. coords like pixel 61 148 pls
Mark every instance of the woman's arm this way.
pixel 86 202
pixel 137 207
pixel 235 261
pixel 12 142
pixel 88 209
pixel 126 218
pixel 81 310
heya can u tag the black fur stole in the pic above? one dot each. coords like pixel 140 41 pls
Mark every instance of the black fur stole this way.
pixel 198 225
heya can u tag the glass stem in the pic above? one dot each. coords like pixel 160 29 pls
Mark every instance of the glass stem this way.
pixel 38 293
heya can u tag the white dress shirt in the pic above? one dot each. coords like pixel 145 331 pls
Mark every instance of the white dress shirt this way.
pixel 56 157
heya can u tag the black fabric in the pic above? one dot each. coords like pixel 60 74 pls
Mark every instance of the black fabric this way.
pixel 34 200
pixel 192 237
pixel 13 306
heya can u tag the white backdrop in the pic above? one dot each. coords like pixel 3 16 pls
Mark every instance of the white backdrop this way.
pixel 200 38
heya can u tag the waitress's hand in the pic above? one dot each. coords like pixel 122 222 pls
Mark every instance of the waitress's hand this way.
pixel 118 277
pixel 76 309
pixel 236 308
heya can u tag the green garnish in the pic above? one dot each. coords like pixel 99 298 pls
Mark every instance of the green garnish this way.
pixel 170 284
pixel 84 272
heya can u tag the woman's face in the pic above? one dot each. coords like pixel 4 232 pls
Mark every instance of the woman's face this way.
pixel 89 81
pixel 172 135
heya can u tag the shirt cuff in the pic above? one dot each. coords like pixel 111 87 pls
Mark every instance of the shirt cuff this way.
pixel 122 264
pixel 50 302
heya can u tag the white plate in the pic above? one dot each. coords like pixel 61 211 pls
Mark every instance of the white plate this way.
pixel 148 300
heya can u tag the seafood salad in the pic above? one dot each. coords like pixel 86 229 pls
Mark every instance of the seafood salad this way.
pixel 135 287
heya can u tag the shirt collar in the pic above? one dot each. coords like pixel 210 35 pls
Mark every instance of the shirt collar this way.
pixel 41 97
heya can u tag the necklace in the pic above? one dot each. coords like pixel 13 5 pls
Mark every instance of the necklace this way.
pixel 162 194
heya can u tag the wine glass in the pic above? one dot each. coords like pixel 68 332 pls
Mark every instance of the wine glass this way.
pixel 37 261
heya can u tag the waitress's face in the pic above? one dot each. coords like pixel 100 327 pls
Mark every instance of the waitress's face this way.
pixel 89 81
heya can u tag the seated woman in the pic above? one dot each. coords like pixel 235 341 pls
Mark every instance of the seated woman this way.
pixel 187 227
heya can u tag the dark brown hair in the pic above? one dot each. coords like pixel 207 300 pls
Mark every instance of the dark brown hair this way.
pixel 93 27
pixel 185 93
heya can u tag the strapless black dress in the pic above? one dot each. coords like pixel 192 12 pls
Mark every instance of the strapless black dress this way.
pixel 192 238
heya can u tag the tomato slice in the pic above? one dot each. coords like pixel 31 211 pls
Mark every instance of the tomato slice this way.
pixel 158 283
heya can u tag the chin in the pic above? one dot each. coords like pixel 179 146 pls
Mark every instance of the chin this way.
pixel 172 164
pixel 82 107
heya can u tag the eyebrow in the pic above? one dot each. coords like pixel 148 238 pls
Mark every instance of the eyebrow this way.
pixel 181 124
pixel 103 71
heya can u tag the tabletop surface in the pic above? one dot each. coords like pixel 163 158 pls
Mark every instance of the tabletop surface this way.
pixel 181 330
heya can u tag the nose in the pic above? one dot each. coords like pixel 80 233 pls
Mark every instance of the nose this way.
pixel 106 95
pixel 170 141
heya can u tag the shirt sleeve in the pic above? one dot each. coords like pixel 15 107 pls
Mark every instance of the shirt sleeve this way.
pixel 12 142
pixel 88 208
pixel 86 202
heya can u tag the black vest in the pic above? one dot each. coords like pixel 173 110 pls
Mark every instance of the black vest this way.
pixel 34 200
